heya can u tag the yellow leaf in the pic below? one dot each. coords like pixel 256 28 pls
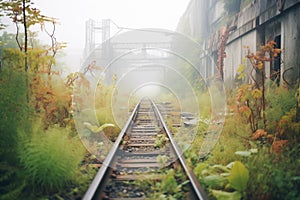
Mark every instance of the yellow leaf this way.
pixel 257 94
pixel 241 68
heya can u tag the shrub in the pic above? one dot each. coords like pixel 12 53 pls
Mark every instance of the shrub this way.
pixel 280 101
pixel 274 176
pixel 51 159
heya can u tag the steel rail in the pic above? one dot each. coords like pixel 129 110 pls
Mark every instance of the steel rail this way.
pixel 95 188
pixel 98 184
pixel 199 192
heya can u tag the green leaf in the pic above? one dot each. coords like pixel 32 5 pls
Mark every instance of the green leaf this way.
pixel 221 195
pixel 96 129
pixel 214 181
pixel 199 168
pixel 239 176
pixel 220 168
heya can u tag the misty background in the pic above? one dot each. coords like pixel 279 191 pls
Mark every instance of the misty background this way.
pixel 72 16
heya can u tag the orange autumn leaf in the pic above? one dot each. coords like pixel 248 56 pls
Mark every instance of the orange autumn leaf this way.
pixel 245 110
pixel 277 51
pixel 258 134
pixel 277 145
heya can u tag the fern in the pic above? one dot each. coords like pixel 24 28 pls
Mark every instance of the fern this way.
pixel 51 159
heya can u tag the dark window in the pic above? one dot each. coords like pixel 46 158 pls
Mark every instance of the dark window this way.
pixel 275 64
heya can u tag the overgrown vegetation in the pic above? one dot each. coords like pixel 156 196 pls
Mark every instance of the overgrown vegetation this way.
pixel 39 145
pixel 271 155
pixel 50 158
pixel 261 134
pixel 41 154
pixel 257 155
pixel 171 186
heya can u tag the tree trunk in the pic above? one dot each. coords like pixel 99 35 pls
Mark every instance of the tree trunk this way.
pixel 264 99
pixel 26 34
pixel 25 47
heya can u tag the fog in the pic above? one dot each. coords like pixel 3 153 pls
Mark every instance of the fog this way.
pixel 131 13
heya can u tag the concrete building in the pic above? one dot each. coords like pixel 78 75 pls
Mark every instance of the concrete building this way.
pixel 254 23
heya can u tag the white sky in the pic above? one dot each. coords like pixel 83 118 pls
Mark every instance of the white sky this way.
pixel 126 13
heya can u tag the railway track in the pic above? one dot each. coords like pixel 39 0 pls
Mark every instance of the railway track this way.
pixel 133 158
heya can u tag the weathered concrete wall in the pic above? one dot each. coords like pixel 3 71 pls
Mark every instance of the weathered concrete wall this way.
pixel 216 12
pixel 257 23
pixel 235 52
pixel 248 14
pixel 194 21
pixel 266 4
pixel 261 22
pixel 233 59
pixel 291 44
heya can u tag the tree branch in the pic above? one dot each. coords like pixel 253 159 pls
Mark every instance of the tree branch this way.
pixel 53 43
pixel 17 37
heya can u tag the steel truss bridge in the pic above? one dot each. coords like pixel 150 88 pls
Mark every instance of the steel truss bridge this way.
pixel 119 50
